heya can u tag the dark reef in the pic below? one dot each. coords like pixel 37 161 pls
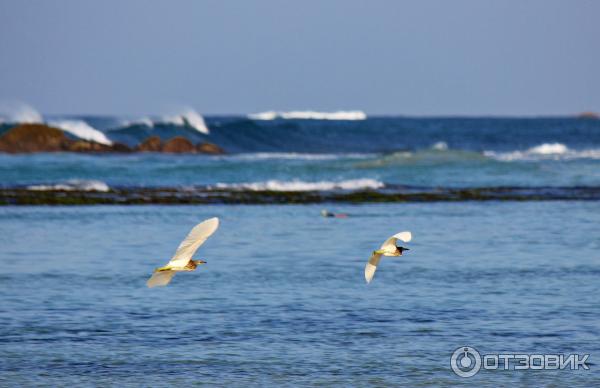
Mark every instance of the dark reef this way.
pixel 166 195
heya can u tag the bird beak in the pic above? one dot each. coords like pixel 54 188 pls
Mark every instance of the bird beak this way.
pixel 201 262
pixel 406 249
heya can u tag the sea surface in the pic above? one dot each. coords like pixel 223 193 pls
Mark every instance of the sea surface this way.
pixel 283 300
pixel 307 154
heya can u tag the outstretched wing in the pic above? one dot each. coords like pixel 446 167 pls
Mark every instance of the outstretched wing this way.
pixel 192 242
pixel 390 243
pixel 371 266
pixel 160 278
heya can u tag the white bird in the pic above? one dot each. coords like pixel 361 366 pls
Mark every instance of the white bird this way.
pixel 182 260
pixel 388 248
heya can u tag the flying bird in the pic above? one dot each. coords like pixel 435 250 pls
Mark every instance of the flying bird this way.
pixel 182 260
pixel 388 248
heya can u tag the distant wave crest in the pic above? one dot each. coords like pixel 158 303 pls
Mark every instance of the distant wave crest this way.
pixel 188 117
pixel 185 117
pixel 556 151
pixel 73 185
pixel 297 185
pixel 144 121
pixel 19 113
pixel 310 115
pixel 440 146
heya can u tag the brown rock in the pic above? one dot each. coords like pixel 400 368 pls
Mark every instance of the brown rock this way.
pixel 178 145
pixel 33 138
pixel 90 146
pixel 209 148
pixel 120 147
pixel 589 115
pixel 42 138
pixel 151 144
pixel 87 146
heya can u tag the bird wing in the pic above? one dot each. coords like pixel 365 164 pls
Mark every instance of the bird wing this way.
pixel 390 243
pixel 160 278
pixel 192 242
pixel 371 266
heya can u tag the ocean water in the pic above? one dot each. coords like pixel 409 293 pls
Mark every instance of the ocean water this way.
pixel 283 301
pixel 303 154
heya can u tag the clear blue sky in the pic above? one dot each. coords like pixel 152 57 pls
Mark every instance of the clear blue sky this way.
pixel 385 57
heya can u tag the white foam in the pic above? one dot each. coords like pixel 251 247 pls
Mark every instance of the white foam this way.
pixel 440 146
pixel 147 121
pixel 310 115
pixel 19 113
pixel 549 149
pixel 270 115
pixel 82 130
pixel 187 116
pixel 554 151
pixel 73 185
pixel 298 185
pixel 296 156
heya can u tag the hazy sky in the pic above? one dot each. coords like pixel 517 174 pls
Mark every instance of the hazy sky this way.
pixel 442 57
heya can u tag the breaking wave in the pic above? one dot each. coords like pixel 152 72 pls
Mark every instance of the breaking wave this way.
pixel 310 115
pixel 555 151
pixel 73 185
pixel 82 130
pixel 19 113
pixel 186 117
pixel 25 114
pixel 297 185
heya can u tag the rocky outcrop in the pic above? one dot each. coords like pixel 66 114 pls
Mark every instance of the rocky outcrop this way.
pixel 151 144
pixel 87 146
pixel 29 138
pixel 589 115
pixel 178 145
pixel 33 138
pixel 209 148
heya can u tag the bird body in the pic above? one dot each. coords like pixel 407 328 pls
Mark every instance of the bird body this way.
pixel 388 248
pixel 182 260
pixel 190 266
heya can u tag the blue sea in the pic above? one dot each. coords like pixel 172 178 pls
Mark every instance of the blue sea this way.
pixel 282 299
pixel 297 154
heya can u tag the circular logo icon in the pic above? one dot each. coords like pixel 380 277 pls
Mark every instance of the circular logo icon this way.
pixel 465 361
